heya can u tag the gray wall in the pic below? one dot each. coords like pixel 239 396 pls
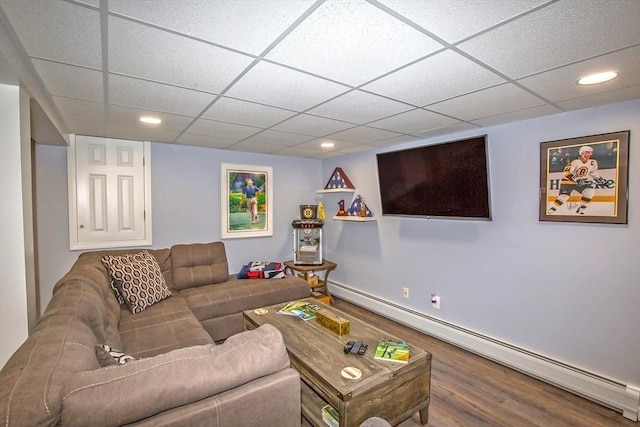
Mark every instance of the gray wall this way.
pixel 568 291
pixel 186 204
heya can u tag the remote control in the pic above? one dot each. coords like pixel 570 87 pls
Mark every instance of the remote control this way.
pixel 355 347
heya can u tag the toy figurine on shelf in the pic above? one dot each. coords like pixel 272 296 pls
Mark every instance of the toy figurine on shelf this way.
pixel 341 211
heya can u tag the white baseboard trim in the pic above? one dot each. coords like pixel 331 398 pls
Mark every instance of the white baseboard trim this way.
pixel 621 397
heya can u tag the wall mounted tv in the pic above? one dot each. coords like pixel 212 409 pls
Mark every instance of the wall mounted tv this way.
pixel 446 180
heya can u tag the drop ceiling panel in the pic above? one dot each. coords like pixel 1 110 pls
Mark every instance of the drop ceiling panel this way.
pixel 363 135
pixel 313 149
pixel 447 130
pixel 528 113
pixel 401 139
pixel 471 16
pixel 248 25
pixel 298 72
pixel 377 43
pixel 78 109
pixel 488 102
pixel 87 127
pixel 414 121
pixel 424 82
pixel 557 35
pixel 140 51
pixel 312 125
pixel 560 84
pixel 259 147
pixel 276 137
pixel 70 81
pixel 57 30
pixel 221 129
pixel 127 116
pixel 205 141
pixel 618 95
pixel 282 87
pixel 246 113
pixel 359 107
pixel 139 134
pixel 155 96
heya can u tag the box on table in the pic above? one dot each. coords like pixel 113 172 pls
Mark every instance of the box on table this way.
pixel 311 279
pixel 336 324
pixel 324 298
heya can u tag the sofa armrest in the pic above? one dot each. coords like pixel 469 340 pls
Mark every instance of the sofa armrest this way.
pixel 124 394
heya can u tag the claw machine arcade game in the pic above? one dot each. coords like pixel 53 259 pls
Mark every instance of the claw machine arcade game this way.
pixel 307 237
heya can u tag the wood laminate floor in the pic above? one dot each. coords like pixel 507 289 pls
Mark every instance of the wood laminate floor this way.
pixel 469 390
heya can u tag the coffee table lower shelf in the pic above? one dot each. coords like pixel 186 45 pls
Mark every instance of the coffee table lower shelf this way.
pixel 311 405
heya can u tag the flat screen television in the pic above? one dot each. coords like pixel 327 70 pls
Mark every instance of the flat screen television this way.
pixel 446 180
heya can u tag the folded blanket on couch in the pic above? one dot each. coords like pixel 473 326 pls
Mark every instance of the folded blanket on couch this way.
pixel 262 270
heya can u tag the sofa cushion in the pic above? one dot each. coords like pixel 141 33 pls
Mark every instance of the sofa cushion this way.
pixel 139 281
pixel 115 264
pixel 198 264
pixel 32 380
pixel 196 372
pixel 163 327
pixel 235 295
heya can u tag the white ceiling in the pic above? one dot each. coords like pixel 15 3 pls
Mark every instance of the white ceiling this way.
pixel 281 76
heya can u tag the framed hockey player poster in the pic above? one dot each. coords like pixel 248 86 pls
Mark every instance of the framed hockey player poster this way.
pixel 585 179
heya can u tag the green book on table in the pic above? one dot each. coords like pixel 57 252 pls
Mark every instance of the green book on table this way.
pixel 392 350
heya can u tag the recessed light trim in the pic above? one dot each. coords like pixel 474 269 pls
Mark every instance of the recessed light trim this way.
pixel 593 79
pixel 327 144
pixel 150 120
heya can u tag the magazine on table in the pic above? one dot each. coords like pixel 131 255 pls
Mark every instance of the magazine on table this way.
pixel 301 309
pixel 392 350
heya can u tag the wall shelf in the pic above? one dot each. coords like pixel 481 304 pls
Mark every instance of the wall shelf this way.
pixel 354 218
pixel 340 183
pixel 336 190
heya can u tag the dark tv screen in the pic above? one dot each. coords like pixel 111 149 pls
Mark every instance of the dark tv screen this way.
pixel 447 180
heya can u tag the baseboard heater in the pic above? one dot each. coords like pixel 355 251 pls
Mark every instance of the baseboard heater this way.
pixel 620 397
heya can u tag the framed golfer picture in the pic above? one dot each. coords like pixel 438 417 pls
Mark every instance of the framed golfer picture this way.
pixel 585 179
pixel 246 201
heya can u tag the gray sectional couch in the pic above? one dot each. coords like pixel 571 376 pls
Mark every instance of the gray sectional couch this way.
pixel 180 376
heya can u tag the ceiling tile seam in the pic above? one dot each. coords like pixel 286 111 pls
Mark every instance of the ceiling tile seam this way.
pixel 55 61
pixel 368 124
pixel 81 4
pixel 253 63
pixel 261 56
pixel 179 34
pixel 578 61
pixel 442 41
pixel 454 46
pixel 104 45
pixel 599 93
pixel 408 64
pixel 273 44
pixel 28 63
pixel 299 114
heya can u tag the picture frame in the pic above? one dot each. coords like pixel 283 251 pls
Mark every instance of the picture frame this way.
pixel 585 179
pixel 246 200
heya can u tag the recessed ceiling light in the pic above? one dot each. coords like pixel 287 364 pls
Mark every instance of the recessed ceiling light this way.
pixel 593 79
pixel 150 120
pixel 327 144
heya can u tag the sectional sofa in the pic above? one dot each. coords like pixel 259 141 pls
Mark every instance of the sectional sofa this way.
pixel 154 337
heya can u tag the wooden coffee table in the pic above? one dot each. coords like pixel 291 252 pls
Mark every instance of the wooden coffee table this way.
pixel 390 390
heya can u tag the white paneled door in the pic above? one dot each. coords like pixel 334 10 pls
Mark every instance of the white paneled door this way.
pixel 109 193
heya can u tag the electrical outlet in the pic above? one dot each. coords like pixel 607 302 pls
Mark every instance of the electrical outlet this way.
pixel 405 292
pixel 435 301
